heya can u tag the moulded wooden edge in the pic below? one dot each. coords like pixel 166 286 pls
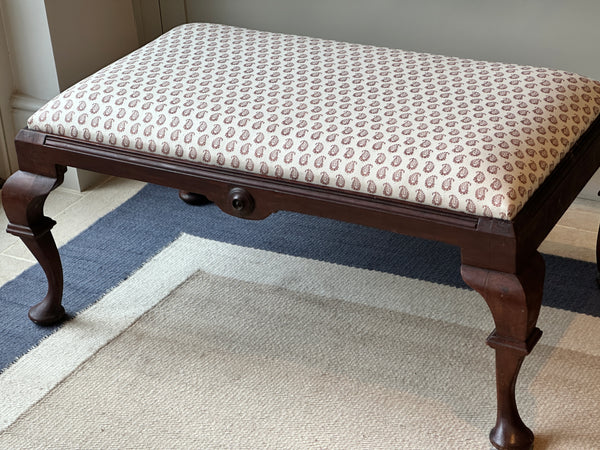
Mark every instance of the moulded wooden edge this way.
pixel 488 243
pixel 38 150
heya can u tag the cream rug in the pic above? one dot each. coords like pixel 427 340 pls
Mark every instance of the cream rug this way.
pixel 212 345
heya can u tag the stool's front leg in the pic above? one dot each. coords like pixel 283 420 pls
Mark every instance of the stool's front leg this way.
pixel 23 197
pixel 515 301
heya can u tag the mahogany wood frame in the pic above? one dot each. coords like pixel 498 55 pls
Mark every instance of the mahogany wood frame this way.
pixel 499 259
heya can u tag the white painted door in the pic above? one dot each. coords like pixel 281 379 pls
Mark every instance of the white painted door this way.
pixel 7 156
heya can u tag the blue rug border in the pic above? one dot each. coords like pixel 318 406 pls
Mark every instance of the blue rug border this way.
pixel 116 245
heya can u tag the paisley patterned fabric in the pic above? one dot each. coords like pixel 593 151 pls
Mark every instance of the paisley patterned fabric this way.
pixel 470 136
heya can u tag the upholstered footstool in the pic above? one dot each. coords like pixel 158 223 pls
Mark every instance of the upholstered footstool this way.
pixel 484 156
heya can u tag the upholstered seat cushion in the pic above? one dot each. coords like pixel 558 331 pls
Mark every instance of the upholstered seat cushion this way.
pixel 457 134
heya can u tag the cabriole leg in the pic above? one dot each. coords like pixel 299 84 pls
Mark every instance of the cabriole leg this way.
pixel 515 301
pixel 23 197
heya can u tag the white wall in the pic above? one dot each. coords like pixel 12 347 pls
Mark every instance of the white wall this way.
pixel 52 44
pixel 552 33
pixel 28 39
pixel 28 65
pixel 87 35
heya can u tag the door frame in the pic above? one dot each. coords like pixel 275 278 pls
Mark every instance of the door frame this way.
pixel 155 17
pixel 8 156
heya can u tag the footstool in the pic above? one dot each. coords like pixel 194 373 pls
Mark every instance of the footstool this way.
pixel 484 156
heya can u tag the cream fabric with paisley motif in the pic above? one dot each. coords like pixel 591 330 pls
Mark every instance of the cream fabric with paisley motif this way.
pixel 457 134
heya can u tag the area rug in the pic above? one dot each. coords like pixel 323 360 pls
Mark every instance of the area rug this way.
pixel 192 329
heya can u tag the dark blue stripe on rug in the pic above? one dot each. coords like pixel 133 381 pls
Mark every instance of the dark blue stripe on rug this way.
pixel 119 243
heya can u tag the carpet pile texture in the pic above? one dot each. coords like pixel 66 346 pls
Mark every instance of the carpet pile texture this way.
pixel 192 329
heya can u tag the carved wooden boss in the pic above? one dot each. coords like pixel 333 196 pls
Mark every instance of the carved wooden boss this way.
pixel 480 155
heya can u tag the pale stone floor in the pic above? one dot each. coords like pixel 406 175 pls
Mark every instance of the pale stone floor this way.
pixel 574 236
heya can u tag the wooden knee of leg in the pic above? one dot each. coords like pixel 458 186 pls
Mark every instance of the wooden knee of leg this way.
pixel 23 197
pixel 515 302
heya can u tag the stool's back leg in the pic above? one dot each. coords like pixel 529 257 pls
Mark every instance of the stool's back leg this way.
pixel 515 302
pixel 23 197
pixel 194 199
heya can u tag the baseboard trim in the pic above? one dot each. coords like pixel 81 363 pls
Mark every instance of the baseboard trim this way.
pixel 25 102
